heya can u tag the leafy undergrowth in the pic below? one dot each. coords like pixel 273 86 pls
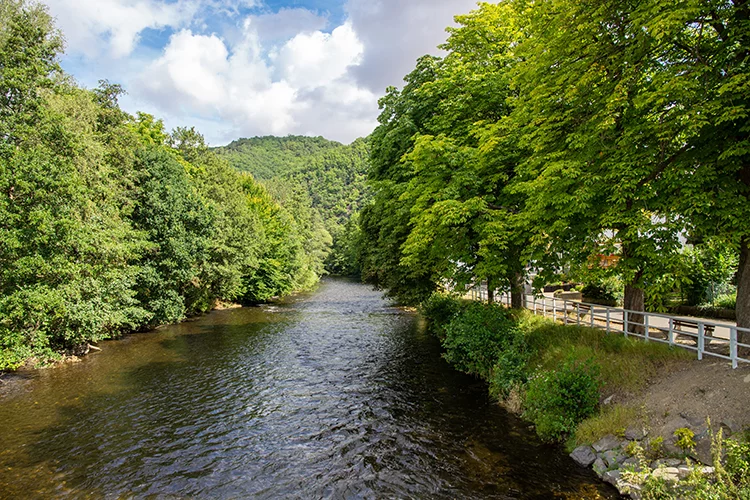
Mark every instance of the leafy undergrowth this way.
pixel 554 375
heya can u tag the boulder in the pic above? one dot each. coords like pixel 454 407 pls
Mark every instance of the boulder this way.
pixel 729 427
pixel 612 477
pixel 702 451
pixel 606 443
pixel 673 425
pixel 599 467
pixel 635 433
pixel 625 488
pixel 671 474
pixel 584 455
pixel 683 471
pixel 613 458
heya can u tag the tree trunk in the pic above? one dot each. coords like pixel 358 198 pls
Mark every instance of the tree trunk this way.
pixel 516 291
pixel 635 300
pixel 490 291
pixel 743 296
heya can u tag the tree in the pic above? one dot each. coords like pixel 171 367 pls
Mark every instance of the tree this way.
pixel 602 154
pixel 465 210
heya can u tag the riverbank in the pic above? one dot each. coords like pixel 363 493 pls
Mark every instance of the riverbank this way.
pixel 12 380
pixel 584 387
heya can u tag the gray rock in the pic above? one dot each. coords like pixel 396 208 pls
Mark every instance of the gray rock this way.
pixel 635 433
pixel 583 455
pixel 729 427
pixel 666 462
pixel 611 477
pixel 702 451
pixel 606 443
pixel 599 467
pixel 707 471
pixel 671 474
pixel 613 458
pixel 673 425
pixel 634 490
pixel 683 471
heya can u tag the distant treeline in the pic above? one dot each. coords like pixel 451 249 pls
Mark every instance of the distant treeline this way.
pixel 313 174
pixel 109 224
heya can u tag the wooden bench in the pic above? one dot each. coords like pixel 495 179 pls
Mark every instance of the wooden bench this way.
pixel 677 324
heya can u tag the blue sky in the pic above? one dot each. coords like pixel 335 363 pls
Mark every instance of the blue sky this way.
pixel 253 67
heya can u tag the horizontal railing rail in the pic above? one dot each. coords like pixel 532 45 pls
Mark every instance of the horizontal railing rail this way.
pixel 706 338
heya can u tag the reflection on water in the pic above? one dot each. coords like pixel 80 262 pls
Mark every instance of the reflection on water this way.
pixel 331 394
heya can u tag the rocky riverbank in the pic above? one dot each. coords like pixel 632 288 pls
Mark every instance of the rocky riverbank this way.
pixel 687 415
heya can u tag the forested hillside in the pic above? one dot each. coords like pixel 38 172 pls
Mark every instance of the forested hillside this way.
pixel 312 174
pixel 109 223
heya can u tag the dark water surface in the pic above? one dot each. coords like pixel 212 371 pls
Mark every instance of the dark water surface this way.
pixel 331 394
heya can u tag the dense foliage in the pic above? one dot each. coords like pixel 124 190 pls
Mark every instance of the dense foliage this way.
pixel 319 181
pixel 555 375
pixel 556 133
pixel 109 223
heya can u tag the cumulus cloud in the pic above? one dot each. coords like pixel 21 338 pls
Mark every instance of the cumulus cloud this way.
pixel 89 25
pixel 292 90
pixel 395 33
pixel 237 68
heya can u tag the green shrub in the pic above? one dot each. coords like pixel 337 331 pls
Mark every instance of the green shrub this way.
pixel 476 338
pixel 556 401
pixel 510 370
pixel 738 463
pixel 440 309
pixel 727 301
pixel 685 439
pixel 599 290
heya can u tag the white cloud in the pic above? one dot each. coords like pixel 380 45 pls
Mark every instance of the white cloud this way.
pixel 91 25
pixel 304 84
pixel 395 33
pixel 310 60
pixel 267 73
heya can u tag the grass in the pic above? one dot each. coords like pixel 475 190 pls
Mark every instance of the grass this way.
pixel 626 363
pixel 613 420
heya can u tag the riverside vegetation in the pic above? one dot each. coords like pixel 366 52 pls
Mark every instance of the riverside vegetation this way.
pixel 110 224
pixel 557 376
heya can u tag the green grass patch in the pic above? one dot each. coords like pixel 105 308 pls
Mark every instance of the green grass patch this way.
pixel 613 420
pixel 626 364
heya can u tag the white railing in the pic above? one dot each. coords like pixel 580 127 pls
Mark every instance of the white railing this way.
pixel 707 338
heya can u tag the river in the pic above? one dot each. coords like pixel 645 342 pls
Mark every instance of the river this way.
pixel 332 394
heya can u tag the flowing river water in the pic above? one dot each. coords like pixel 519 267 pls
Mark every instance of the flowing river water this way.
pixel 332 394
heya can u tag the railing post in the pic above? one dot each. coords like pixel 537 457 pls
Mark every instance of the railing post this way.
pixel 591 314
pixel 554 309
pixel 645 325
pixel 671 331
pixel 733 345
pixel 625 321
pixel 578 313
pixel 608 315
pixel 565 311
pixel 701 340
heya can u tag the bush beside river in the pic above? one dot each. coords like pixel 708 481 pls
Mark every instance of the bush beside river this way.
pixel 580 386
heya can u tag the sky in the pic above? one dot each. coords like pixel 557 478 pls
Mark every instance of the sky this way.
pixel 253 67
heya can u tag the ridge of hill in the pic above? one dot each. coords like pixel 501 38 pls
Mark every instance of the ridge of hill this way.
pixel 311 174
